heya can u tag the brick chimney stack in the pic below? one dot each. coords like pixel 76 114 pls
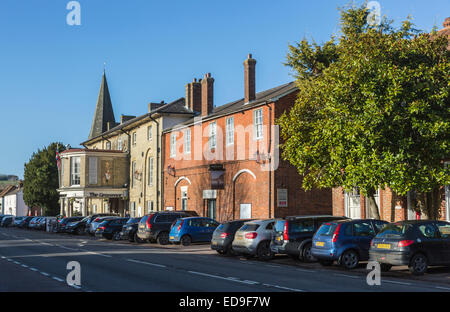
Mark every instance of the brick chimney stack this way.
pixel 447 22
pixel 194 96
pixel 249 78
pixel 207 90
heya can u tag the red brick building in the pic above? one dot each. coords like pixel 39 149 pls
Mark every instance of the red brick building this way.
pixel 224 163
pixel 391 206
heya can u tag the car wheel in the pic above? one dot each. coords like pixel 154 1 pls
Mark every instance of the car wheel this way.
pixel 263 251
pixel 326 262
pixel 220 252
pixel 307 254
pixel 418 264
pixel 186 240
pixel 79 231
pixel 350 259
pixel 116 236
pixel 385 267
pixel 163 238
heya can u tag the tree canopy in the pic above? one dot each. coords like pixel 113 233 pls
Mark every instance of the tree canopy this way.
pixel 373 109
pixel 41 180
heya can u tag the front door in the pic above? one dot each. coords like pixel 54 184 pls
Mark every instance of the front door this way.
pixel 353 204
pixel 211 208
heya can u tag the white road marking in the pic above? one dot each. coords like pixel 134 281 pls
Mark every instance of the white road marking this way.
pixel 67 248
pixel 57 279
pixel 96 253
pixel 75 286
pixel 218 277
pixel 44 273
pixel 9 260
pixel 443 288
pixel 34 269
pixel 345 275
pixel 24 266
pixel 395 282
pixel 147 263
pixel 272 266
pixel 284 288
pixel 307 271
pixel 16 262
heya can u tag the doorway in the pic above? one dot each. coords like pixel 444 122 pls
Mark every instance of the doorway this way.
pixel 211 208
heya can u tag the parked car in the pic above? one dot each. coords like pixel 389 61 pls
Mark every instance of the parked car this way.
pixel 293 235
pixel 110 227
pixel 6 221
pixel 223 236
pixel 17 221
pixel 32 223
pixel 77 227
pixel 41 223
pixel 61 227
pixel 345 241
pixel 192 230
pixel 129 230
pixel 156 226
pixel 95 218
pixel 417 244
pixel 25 222
pixel 96 222
pixel 253 239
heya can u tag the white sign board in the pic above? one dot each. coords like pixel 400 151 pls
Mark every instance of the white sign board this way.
pixel 282 196
pixel 245 211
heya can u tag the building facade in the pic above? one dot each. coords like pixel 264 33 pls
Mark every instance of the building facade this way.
pixel 12 201
pixel 225 163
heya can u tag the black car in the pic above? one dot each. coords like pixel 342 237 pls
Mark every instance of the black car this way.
pixel 6 221
pixel 24 222
pixel 129 230
pixel 61 227
pixel 293 235
pixel 156 226
pixel 93 218
pixel 417 244
pixel 111 227
pixel 77 227
pixel 223 236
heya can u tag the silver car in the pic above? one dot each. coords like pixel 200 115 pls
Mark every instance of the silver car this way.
pixel 253 239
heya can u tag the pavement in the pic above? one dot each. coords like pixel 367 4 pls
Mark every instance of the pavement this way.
pixel 37 261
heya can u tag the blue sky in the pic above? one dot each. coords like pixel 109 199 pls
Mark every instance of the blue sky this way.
pixel 50 72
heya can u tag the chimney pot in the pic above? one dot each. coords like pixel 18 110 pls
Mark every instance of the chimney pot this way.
pixel 207 95
pixel 249 79
pixel 447 22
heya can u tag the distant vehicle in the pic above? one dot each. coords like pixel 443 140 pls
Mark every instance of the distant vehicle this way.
pixel 61 227
pixel 345 241
pixel 32 223
pixel 95 223
pixel 129 230
pixel 192 230
pixel 110 227
pixel 77 227
pixel 253 239
pixel 156 226
pixel 17 221
pixel 25 222
pixel 223 236
pixel 417 244
pixel 95 218
pixel 41 223
pixel 6 221
pixel 293 235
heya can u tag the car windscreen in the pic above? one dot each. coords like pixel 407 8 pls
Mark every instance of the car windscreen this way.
pixel 394 230
pixel 133 220
pixel 279 225
pixel 249 227
pixel 327 229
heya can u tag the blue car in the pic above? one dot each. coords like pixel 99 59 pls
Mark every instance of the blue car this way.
pixel 345 241
pixel 192 229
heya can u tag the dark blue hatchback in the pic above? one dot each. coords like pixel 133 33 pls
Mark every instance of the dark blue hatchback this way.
pixel 345 241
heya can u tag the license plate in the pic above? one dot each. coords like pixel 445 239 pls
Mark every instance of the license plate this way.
pixel 384 246
pixel 171 237
pixel 279 238
pixel 214 243
pixel 320 244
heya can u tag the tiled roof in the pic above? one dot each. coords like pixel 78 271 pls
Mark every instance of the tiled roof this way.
pixel 261 97
pixel 446 29
pixel 175 107
pixel 7 190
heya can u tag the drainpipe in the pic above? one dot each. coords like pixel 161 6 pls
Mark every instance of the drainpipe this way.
pixel 129 153
pixel 157 163
pixel 270 160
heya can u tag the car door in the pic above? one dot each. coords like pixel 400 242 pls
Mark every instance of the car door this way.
pixel 444 233
pixel 210 226
pixel 363 233
pixel 431 242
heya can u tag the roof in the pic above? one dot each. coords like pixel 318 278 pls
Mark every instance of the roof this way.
pixel 103 111
pixel 446 29
pixel 74 150
pixel 10 190
pixel 175 107
pixel 270 95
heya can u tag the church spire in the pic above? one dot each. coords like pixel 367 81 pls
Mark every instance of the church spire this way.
pixel 103 112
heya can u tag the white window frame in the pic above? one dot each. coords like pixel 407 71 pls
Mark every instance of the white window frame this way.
pixel 133 170
pixel 173 145
pixel 150 170
pixel 75 176
pixel 134 138
pixel 150 206
pixel 229 130
pixel 258 124
pixel 187 141
pixel 212 135
pixel 93 170
pixel 108 145
pixel 149 133
pixel 119 144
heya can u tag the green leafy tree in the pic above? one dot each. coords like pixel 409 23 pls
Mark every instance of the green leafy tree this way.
pixel 373 110
pixel 41 180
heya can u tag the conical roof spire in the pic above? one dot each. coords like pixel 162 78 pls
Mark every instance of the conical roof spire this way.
pixel 103 112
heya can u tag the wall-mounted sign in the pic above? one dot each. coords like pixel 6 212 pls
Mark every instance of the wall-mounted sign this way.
pixel 209 194
pixel 282 197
